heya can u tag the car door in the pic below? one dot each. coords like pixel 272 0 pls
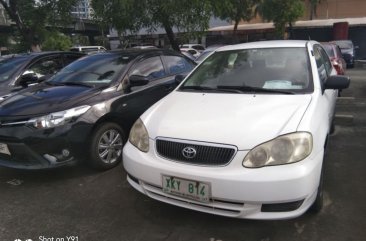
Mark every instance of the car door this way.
pixel 325 69
pixel 137 99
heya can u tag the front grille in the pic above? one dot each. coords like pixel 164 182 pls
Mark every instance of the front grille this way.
pixel 210 155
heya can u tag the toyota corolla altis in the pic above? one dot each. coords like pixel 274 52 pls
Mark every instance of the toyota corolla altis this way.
pixel 243 136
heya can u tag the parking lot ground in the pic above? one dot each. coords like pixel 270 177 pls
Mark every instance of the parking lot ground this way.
pixel 76 203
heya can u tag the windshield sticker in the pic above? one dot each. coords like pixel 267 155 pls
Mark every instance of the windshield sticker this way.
pixel 280 84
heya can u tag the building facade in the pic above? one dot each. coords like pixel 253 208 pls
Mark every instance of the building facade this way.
pixel 83 10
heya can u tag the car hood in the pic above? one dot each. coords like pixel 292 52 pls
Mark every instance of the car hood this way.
pixel 43 99
pixel 243 120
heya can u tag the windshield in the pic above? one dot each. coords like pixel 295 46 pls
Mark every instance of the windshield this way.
pixel 95 70
pixel 9 66
pixel 265 70
pixel 344 44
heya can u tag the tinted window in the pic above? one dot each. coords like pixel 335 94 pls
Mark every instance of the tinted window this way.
pixel 320 65
pixel 10 66
pixel 152 68
pixel 45 66
pixel 93 70
pixel 176 64
pixel 198 47
pixel 267 68
pixel 329 49
pixel 328 64
pixel 69 58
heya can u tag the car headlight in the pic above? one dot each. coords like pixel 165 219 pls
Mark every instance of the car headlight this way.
pixel 57 118
pixel 139 136
pixel 285 149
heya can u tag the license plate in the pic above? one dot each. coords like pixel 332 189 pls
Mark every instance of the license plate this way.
pixel 4 149
pixel 191 189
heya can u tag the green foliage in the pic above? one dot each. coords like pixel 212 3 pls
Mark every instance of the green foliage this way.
pixel 32 16
pixel 129 16
pixel 123 15
pixel 191 17
pixel 234 10
pixel 281 12
pixel 56 41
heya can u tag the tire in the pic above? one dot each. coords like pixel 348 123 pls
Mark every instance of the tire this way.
pixel 106 146
pixel 317 206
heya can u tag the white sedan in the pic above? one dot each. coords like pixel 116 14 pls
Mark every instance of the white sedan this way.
pixel 244 135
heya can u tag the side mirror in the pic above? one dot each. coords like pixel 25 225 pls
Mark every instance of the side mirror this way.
pixel 138 80
pixel 27 79
pixel 337 82
pixel 179 78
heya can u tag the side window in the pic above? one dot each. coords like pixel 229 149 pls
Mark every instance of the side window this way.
pixel 320 65
pixel 328 64
pixel 45 66
pixel 152 68
pixel 176 64
pixel 69 58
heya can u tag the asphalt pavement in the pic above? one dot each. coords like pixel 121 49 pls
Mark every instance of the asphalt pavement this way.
pixel 79 204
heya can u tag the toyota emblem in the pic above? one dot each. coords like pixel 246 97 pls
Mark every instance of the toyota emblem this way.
pixel 189 152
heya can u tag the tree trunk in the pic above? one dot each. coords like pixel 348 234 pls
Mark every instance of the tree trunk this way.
pixel 170 34
pixel 235 32
pixel 25 32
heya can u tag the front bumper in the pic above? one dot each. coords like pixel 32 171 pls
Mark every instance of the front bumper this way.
pixel 235 191
pixel 41 149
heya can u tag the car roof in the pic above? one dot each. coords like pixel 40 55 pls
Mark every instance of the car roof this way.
pixel 137 51
pixel 267 44
pixel 44 53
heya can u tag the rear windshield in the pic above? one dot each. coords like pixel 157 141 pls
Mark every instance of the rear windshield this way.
pixel 261 70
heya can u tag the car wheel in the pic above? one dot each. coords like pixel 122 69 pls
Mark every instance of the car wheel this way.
pixel 106 146
pixel 318 203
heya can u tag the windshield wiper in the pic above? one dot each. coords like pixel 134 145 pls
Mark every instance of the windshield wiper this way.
pixel 206 88
pixel 254 89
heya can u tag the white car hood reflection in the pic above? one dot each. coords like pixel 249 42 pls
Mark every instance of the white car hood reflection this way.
pixel 243 120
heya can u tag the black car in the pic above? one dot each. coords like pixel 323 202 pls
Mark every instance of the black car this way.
pixel 348 51
pixel 86 110
pixel 17 71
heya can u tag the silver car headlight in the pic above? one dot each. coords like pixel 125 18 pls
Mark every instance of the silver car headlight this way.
pixel 285 149
pixel 139 136
pixel 57 118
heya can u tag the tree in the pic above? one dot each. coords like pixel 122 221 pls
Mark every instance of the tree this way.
pixel 32 16
pixel 126 16
pixel 234 11
pixel 281 12
pixel 190 17
pixel 56 41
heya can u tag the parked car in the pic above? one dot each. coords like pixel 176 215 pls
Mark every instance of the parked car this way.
pixel 336 57
pixel 18 71
pixel 348 51
pixel 198 47
pixel 88 49
pixel 207 52
pixel 193 52
pixel 85 110
pixel 243 136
